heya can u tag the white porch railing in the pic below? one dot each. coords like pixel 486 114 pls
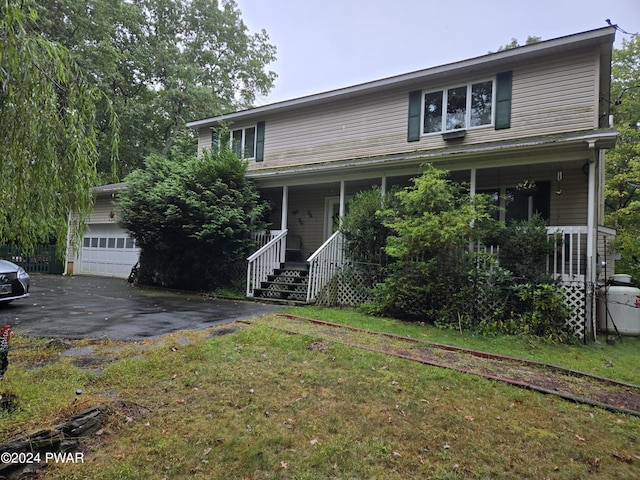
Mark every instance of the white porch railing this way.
pixel 262 263
pixel 568 260
pixel 265 236
pixel 324 264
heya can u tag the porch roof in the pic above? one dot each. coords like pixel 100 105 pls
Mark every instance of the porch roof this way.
pixel 564 147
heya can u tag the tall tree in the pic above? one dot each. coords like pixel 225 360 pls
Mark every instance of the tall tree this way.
pixel 48 142
pixel 622 190
pixel 162 63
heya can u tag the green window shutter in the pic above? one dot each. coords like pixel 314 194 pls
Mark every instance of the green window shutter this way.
pixel 503 100
pixel 413 126
pixel 260 142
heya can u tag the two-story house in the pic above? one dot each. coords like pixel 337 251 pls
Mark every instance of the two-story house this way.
pixel 535 113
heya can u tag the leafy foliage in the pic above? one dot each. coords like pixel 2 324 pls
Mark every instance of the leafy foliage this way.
pixel 192 218
pixel 161 63
pixel 514 43
pixel 434 277
pixel 363 227
pixel 431 224
pixel 48 146
pixel 622 189
pixel 435 215
pixel 524 249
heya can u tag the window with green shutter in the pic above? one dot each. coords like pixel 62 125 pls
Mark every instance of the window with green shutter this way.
pixel 457 108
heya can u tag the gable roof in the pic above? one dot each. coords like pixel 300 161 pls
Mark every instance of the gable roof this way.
pixel 592 38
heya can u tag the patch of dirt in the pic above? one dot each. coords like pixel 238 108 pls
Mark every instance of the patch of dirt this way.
pixel 575 386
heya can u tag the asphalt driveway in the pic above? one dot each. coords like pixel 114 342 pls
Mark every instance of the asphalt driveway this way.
pixel 97 307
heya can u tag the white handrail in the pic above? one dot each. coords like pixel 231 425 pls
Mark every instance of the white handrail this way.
pixel 263 262
pixel 324 264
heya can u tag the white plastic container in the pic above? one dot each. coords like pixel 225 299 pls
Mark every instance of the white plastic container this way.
pixel 619 305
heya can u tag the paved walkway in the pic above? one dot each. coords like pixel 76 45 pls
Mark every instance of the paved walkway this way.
pixel 98 307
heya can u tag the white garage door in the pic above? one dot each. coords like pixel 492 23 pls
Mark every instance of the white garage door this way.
pixel 108 251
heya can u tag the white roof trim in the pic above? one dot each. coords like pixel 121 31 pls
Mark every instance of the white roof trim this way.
pixel 522 53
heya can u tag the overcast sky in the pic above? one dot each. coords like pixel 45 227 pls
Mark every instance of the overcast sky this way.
pixel 328 44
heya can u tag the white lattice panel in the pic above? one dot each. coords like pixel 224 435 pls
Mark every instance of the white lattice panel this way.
pixel 346 289
pixel 576 299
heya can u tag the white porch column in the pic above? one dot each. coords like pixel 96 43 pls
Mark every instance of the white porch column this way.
pixel 285 206
pixel 591 215
pixel 590 273
pixel 383 185
pixel 472 181
pixel 342 203
pixel 601 176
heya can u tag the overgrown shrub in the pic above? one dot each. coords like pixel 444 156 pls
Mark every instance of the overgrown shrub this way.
pixel 192 218
pixel 531 309
pixel 431 223
pixel 435 278
pixel 363 228
pixel 525 249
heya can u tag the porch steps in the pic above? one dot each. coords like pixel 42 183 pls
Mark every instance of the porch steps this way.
pixel 287 285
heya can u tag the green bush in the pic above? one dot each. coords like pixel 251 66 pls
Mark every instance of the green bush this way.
pixel 363 228
pixel 193 218
pixel 525 249
pixel 433 277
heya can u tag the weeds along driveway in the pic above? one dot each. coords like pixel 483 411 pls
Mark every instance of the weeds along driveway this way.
pixel 98 307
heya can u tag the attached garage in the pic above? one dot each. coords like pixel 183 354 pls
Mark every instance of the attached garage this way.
pixel 106 249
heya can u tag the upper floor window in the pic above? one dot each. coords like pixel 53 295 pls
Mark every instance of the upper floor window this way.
pixel 243 142
pixel 460 107
pixel 246 143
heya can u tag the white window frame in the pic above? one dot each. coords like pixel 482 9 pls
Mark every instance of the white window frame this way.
pixel 445 95
pixel 243 140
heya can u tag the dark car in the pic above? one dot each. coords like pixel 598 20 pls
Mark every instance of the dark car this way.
pixel 14 282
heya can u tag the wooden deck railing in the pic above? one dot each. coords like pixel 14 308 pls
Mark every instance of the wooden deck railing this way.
pixel 324 264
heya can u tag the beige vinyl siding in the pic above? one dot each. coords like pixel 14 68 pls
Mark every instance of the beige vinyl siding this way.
pixel 102 211
pixel 306 215
pixel 567 208
pixel 353 129
pixel 551 97
pixel 570 206
pixel 562 97
pixel 204 139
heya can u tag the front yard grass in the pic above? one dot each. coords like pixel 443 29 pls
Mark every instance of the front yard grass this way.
pixel 618 360
pixel 259 403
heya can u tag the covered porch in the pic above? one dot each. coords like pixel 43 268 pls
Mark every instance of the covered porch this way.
pixel 307 208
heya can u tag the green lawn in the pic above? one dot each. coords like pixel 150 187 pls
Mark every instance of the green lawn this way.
pixel 618 360
pixel 263 404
